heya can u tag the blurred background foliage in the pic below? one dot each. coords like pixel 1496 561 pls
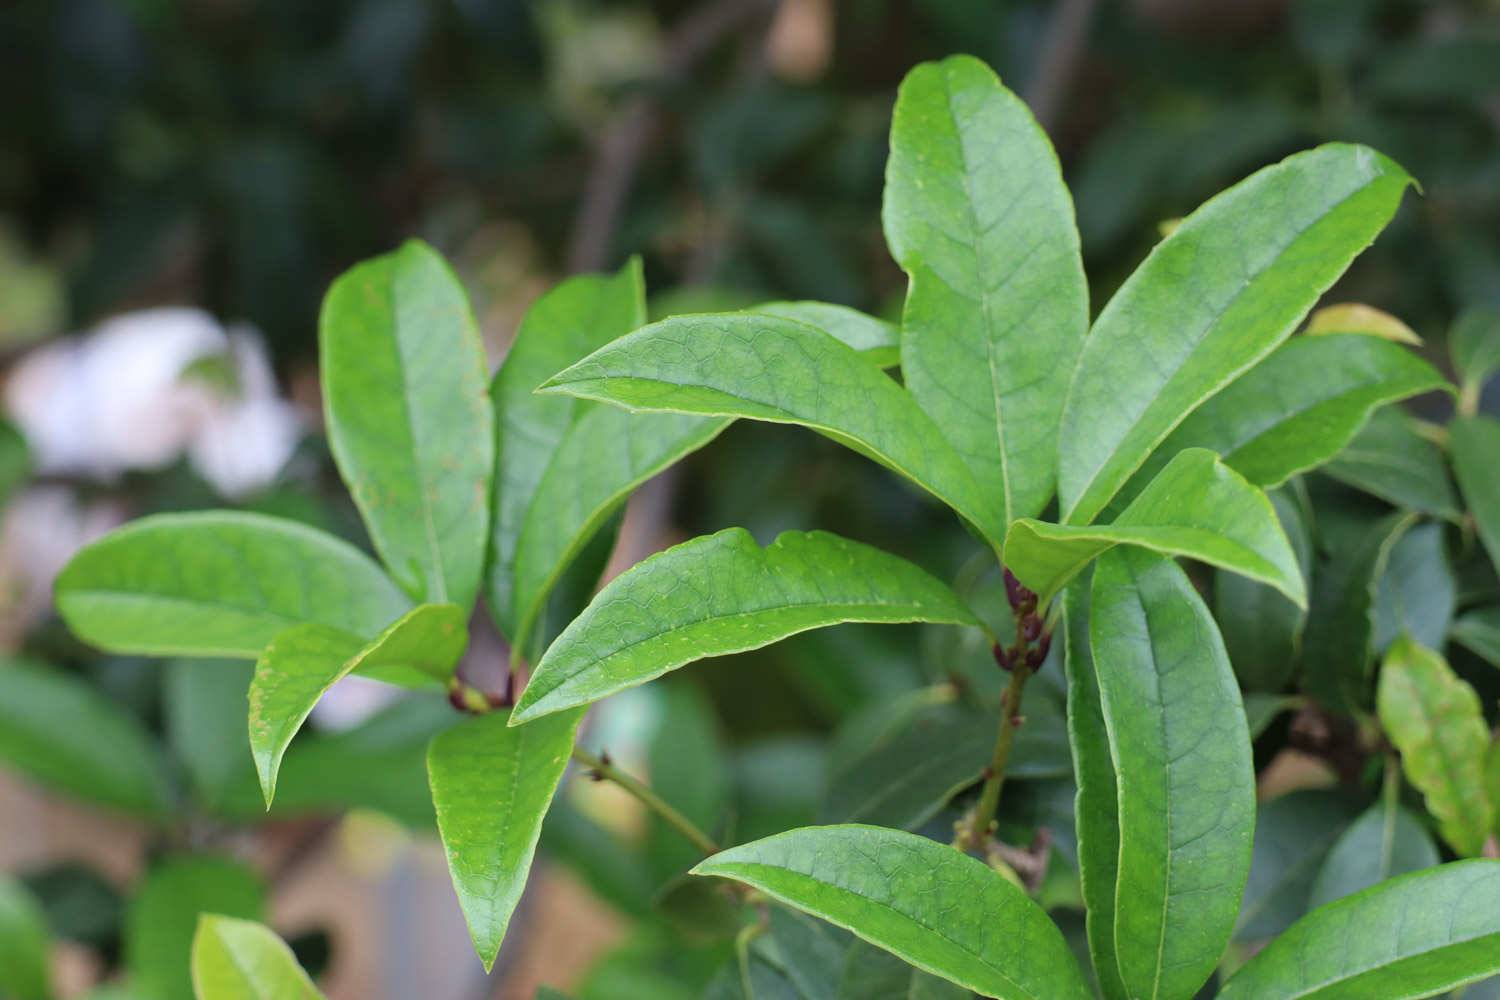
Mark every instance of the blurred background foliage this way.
pixel 236 155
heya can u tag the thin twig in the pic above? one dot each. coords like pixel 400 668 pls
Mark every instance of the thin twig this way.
pixel 604 770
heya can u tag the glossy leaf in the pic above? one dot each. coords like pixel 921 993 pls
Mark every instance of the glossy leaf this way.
pixel 219 584
pixel 1196 507
pixel 1384 842
pixel 1298 408
pixel 1475 444
pixel 1434 718
pixel 1338 646
pixel 1478 631
pixel 163 918
pixel 1358 318
pixel 1417 591
pixel 59 730
pixel 1413 936
pixel 243 960
pixel 25 971
pixel 1390 460
pixel 928 904
pixel 409 422
pixel 1262 628
pixel 302 663
pixel 775 369
pixel 876 339
pixel 1185 785
pixel 492 785
pixel 1210 301
pixel 1474 346
pixel 721 594
pixel 977 215
pixel 1293 835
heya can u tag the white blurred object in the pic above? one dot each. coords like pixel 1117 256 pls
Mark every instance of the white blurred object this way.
pixel 42 529
pixel 124 397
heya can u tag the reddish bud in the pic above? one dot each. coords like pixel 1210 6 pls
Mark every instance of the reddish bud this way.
pixel 1002 656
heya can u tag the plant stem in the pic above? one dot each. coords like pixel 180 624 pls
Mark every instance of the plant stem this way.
pixel 994 775
pixel 606 771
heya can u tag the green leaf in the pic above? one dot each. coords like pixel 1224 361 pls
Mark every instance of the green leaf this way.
pixel 219 583
pixel 783 371
pixel 928 904
pixel 163 918
pixel 1293 835
pixel 1298 408
pixel 1185 784
pixel 25 971
pixel 1417 592
pixel 689 768
pixel 1413 936
pixel 1338 646
pixel 492 785
pixel 409 422
pixel 302 663
pixel 59 730
pixel 1358 318
pixel 1390 460
pixel 1196 507
pixel 1096 808
pixel 243 960
pixel 1262 628
pixel 1384 842
pixel 1474 346
pixel 876 339
pixel 1433 717
pixel 1212 299
pixel 15 460
pixel 202 700
pixel 873 974
pixel 1475 443
pixel 723 593
pixel 977 215
pixel 1478 631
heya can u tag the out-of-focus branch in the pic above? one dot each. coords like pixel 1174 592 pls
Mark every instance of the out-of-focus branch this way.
pixel 618 156
pixel 1067 33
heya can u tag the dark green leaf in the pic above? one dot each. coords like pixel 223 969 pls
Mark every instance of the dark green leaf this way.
pixel 873 974
pixel 977 215
pixel 219 584
pixel 1475 442
pixel 302 663
pixel 243 960
pixel 1293 835
pixel 905 893
pixel 1185 784
pixel 409 421
pixel 1262 628
pixel 15 460
pixel 720 594
pixel 1433 717
pixel 205 707
pixel 25 969
pixel 1212 299
pixel 1390 460
pixel 491 785
pixel 57 729
pixel 1478 631
pixel 163 918
pixel 1384 842
pixel 1474 346
pixel 874 338
pixel 1413 936
pixel 1196 507
pixel 775 369
pixel 689 768
pixel 1417 592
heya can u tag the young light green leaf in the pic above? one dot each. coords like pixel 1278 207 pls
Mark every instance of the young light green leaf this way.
pixel 1338 645
pixel 932 906
pixel 1262 628
pixel 1255 258
pixel 1196 507
pixel 780 370
pixel 1433 717
pixel 492 785
pixel 1362 320
pixel 876 339
pixel 1390 460
pixel 1414 936
pixel 1293 835
pixel 1478 631
pixel 302 663
pixel 1185 784
pixel 163 918
pixel 1384 842
pixel 723 593
pixel 59 730
pixel 1417 591
pixel 25 970
pixel 977 215
pixel 219 583
pixel 1474 346
pixel 243 960
pixel 1475 445
pixel 1096 808
pixel 1298 408
pixel 409 424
